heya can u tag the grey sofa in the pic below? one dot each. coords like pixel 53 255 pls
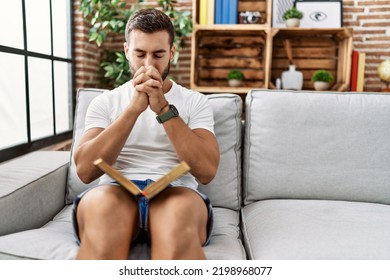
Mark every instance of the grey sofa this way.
pixel 305 176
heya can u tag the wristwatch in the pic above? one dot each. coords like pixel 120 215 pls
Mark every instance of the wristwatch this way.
pixel 173 112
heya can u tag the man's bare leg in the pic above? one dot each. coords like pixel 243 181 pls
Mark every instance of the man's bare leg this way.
pixel 178 224
pixel 108 219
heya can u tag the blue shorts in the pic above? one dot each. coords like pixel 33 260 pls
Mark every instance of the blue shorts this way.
pixel 143 206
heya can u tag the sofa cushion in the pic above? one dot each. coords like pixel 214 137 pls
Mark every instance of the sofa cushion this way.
pixel 316 229
pixel 225 242
pixel 56 240
pixel 225 189
pixel 32 190
pixel 310 145
pixel 84 97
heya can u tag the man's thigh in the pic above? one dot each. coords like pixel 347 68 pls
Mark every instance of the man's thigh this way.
pixel 180 208
pixel 107 205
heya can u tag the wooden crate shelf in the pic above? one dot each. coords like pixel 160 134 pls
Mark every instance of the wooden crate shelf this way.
pixel 312 50
pixel 258 51
pixel 216 52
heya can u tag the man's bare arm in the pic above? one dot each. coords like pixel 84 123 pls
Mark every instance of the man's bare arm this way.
pixel 103 143
pixel 198 147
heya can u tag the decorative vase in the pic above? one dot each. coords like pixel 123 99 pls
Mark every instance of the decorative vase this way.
pixel 292 79
pixel 293 22
pixel 235 83
pixel 318 85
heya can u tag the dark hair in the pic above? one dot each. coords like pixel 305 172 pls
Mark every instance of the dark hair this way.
pixel 150 21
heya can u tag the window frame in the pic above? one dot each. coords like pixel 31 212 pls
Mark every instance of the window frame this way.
pixel 32 145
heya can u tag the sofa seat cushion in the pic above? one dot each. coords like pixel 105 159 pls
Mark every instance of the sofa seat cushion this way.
pixel 225 242
pixel 316 229
pixel 56 241
pixel 32 190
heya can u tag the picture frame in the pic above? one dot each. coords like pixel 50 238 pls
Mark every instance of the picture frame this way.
pixel 279 7
pixel 321 14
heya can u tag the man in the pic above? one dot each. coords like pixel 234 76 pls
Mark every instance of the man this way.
pixel 144 128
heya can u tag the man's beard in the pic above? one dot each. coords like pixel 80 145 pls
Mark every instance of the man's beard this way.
pixel 164 74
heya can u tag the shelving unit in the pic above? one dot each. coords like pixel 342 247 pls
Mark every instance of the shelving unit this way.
pixel 257 50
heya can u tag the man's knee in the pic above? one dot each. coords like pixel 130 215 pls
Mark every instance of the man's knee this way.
pixel 107 199
pixel 105 206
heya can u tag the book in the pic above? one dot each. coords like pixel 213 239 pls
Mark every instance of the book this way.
pixel 151 190
pixel 210 11
pixel 203 7
pixel 225 12
pixel 218 12
pixel 354 70
pixel 233 11
pixel 360 73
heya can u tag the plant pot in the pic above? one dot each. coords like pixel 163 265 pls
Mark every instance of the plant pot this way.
pixel 321 85
pixel 235 83
pixel 293 22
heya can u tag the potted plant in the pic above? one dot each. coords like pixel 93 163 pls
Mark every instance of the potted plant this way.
pixel 293 17
pixel 322 79
pixel 110 17
pixel 235 78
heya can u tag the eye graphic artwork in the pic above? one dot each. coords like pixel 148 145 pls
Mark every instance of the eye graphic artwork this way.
pixel 318 16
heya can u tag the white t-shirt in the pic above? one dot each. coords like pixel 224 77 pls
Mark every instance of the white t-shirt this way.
pixel 148 153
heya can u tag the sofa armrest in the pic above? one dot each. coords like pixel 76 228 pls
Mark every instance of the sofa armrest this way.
pixel 32 190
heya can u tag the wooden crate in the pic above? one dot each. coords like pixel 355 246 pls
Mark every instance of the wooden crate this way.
pixel 216 52
pixel 312 50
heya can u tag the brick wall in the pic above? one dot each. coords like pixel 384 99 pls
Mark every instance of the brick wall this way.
pixel 87 55
pixel 371 23
pixel 369 19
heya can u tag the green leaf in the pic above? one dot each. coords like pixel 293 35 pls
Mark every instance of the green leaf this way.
pixel 93 36
pixel 97 25
pixel 109 71
pixel 99 40
pixel 103 35
pixel 119 75
pixel 113 23
pixel 176 57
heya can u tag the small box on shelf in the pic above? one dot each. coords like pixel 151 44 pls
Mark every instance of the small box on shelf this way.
pixel 254 12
